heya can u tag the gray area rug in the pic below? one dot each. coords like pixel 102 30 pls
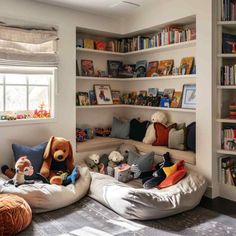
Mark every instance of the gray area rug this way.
pixel 90 218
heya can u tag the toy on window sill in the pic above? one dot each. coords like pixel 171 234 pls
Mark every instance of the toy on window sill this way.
pixel 104 132
pixel 23 168
pixel 41 113
pixel 80 135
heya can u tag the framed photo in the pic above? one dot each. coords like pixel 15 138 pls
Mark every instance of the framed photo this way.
pixel 82 99
pixel 87 67
pixel 189 96
pixel 103 94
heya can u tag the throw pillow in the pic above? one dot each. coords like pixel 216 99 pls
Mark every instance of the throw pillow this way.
pixel 138 129
pixel 120 129
pixel 162 134
pixel 191 137
pixel 177 137
pixel 170 170
pixel 34 154
pixel 144 162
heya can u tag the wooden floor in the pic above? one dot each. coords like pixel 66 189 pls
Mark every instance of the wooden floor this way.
pixel 220 205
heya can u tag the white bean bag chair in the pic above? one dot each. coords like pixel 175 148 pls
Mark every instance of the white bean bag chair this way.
pixel 45 197
pixel 142 204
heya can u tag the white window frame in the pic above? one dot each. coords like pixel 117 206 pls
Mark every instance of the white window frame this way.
pixel 29 71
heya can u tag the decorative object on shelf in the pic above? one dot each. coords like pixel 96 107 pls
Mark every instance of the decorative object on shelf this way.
pixel 103 94
pixel 232 111
pixel 189 96
pixel 100 45
pixel 82 99
pixel 175 71
pixel 101 73
pixel 41 113
pixel 92 97
pixel 127 71
pixel 116 96
pixel 88 43
pixel 143 93
pixel 87 67
pixel 80 43
pixel 186 65
pixel 113 68
pixel 103 131
pixel 80 135
pixel 89 133
pixel 152 68
pixel 228 170
pixel 176 100
pixel 141 68
pixel 165 102
pixel 228 41
pixel 165 67
pixel 168 93
pixel 152 92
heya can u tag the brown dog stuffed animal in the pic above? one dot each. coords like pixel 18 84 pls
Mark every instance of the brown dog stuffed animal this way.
pixel 58 158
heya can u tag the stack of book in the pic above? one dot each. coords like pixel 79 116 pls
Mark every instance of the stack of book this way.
pixel 228 10
pixel 228 75
pixel 228 171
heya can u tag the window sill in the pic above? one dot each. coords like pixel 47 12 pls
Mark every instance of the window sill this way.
pixel 26 121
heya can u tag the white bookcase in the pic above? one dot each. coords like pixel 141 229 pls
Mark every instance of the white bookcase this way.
pixel 225 95
pixel 95 116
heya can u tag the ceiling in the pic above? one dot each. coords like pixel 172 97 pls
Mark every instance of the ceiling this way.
pixel 115 8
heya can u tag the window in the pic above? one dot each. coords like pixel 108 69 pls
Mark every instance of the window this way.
pixel 23 93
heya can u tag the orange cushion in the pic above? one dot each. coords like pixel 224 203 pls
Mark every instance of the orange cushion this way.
pixel 15 214
pixel 175 177
pixel 162 134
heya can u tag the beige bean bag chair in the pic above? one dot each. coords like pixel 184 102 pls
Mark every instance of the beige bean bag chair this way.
pixel 45 197
pixel 142 204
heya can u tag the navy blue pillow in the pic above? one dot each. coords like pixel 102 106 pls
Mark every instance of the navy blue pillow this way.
pixel 138 129
pixel 191 137
pixel 34 154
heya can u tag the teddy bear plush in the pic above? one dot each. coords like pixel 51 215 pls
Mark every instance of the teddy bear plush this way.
pixel 124 150
pixel 150 135
pixel 115 158
pixel 58 159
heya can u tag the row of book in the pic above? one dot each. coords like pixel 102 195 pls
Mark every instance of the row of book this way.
pixel 151 97
pixel 169 35
pixel 228 10
pixel 228 75
pixel 228 170
pixel 116 69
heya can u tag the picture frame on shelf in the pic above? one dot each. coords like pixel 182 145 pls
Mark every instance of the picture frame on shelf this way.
pixel 186 65
pixel 103 94
pixel 87 67
pixel 189 96
pixel 116 96
pixel 92 97
pixel 82 99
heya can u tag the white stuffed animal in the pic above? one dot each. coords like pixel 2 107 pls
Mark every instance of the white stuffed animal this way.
pixel 95 158
pixel 115 158
pixel 150 135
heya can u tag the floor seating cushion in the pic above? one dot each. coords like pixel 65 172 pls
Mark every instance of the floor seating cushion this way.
pixel 46 197
pixel 15 214
pixel 142 204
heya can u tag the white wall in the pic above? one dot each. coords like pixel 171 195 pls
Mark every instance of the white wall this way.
pixel 66 21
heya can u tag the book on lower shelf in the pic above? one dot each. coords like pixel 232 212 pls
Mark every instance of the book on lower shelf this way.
pixel 228 170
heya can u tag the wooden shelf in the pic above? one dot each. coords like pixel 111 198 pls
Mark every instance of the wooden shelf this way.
pixel 170 77
pixel 227 24
pixel 226 86
pixel 227 152
pixel 186 44
pixel 226 120
pixel 138 107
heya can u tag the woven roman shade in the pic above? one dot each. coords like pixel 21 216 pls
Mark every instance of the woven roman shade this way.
pixel 28 47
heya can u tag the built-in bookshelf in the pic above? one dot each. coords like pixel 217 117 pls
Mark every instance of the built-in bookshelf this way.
pixel 226 97
pixel 101 115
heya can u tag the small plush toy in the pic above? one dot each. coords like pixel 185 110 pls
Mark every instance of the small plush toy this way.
pixel 95 158
pixel 91 165
pixel 150 135
pixel 159 175
pixel 122 173
pixel 124 150
pixel 115 158
pixel 23 168
pixel 73 176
